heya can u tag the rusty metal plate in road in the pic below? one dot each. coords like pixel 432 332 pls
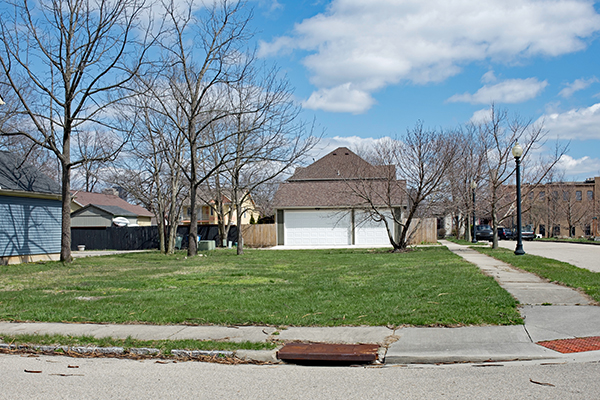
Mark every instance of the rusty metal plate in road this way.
pixel 328 352
pixel 573 345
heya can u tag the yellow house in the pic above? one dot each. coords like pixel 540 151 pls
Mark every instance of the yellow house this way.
pixel 208 215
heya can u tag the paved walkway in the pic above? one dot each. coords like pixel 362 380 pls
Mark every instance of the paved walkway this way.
pixel 527 288
pixel 580 255
pixel 570 316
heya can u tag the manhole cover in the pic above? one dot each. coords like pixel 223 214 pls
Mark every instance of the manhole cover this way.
pixel 328 352
pixel 573 345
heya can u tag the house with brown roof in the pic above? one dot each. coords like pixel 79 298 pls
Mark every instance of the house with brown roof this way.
pixel 91 209
pixel 327 202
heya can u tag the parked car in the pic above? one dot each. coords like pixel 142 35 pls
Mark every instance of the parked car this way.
pixel 527 233
pixel 484 232
pixel 505 233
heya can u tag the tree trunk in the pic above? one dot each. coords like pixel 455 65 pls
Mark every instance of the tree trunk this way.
pixel 193 235
pixel 65 239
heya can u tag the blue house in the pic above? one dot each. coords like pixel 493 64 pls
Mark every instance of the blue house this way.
pixel 30 213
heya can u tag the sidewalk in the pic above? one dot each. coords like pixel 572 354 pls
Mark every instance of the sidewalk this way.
pixel 570 316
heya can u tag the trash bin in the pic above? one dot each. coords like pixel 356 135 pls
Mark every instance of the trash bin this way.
pixel 178 241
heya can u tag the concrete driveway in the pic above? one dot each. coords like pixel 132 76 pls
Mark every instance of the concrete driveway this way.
pixel 581 255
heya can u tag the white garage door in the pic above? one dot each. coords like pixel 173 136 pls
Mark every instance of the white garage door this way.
pixel 317 228
pixel 368 232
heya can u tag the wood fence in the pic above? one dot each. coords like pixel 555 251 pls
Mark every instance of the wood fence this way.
pixel 265 235
pixel 426 231
pixel 259 235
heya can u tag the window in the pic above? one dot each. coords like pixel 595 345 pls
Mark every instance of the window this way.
pixel 530 195
pixel 578 196
pixel 590 195
pixel 566 195
pixel 212 212
pixel 555 195
pixel 542 195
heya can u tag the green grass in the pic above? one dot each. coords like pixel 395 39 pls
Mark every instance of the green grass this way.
pixel 466 242
pixel 165 346
pixel 553 270
pixel 574 240
pixel 428 286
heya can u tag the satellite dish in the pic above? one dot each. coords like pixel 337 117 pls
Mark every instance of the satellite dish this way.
pixel 120 221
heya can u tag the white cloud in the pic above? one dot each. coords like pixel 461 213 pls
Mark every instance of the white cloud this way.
pixel 481 116
pixel 578 124
pixel 579 168
pixel 340 99
pixel 578 84
pixel 373 44
pixel 508 91
pixel 489 77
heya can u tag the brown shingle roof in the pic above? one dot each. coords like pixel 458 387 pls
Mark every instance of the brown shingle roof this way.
pixel 339 193
pixel 85 198
pixel 341 179
pixel 342 163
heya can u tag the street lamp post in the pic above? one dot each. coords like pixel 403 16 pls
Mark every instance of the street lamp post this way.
pixel 473 187
pixel 517 152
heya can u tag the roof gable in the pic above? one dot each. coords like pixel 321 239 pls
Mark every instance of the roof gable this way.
pixel 342 164
pixel 100 199
pixel 341 179
pixel 25 177
pixel 114 211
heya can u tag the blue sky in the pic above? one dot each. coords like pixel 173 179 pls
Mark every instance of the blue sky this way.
pixel 367 69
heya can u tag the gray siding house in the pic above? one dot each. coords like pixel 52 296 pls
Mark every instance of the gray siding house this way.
pixel 30 213
pixel 96 215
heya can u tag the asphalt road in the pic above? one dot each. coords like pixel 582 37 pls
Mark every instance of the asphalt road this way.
pixel 580 255
pixel 128 379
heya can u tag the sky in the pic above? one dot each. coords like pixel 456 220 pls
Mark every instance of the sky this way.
pixel 366 69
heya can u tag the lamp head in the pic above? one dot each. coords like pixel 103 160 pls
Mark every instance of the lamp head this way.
pixel 473 185
pixel 517 151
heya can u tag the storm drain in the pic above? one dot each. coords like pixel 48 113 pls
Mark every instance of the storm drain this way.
pixel 328 353
pixel 573 345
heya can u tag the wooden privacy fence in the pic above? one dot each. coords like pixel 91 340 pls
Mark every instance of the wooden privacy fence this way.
pixel 265 235
pixel 426 231
pixel 259 235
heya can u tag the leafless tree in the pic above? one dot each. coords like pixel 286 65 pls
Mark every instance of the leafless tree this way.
pixel 463 172
pixel 12 120
pixel 95 150
pixel 266 137
pixel 151 167
pixel 421 158
pixel 204 52
pixel 498 134
pixel 263 196
pixel 73 55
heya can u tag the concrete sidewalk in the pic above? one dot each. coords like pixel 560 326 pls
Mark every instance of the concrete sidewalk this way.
pixel 570 316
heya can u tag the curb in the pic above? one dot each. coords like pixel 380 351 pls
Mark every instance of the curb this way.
pixel 263 356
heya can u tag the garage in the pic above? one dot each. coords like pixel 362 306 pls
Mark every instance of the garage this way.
pixel 368 232
pixel 326 202
pixel 317 228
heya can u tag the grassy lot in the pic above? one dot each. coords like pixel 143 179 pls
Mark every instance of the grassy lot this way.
pixel 553 270
pixel 165 346
pixel 466 242
pixel 425 287
pixel 573 240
